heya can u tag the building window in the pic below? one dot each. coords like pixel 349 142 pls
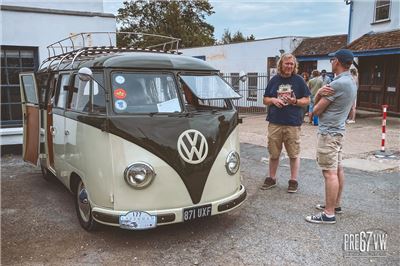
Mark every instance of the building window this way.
pixel 252 86
pixel 13 61
pixel 382 10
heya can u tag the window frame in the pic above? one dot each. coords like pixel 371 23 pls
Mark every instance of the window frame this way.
pixel 11 106
pixel 376 7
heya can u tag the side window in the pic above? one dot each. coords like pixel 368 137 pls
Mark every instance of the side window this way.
pixel 88 96
pixel 62 91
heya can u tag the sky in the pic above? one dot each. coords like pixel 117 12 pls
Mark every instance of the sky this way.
pixel 272 18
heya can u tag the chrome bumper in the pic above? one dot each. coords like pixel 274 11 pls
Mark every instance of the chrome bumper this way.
pixel 169 216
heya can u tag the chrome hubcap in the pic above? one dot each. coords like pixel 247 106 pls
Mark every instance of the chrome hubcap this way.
pixel 83 202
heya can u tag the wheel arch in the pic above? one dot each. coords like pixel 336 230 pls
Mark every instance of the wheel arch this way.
pixel 74 181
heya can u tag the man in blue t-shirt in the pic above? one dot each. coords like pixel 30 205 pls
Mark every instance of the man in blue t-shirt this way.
pixel 286 94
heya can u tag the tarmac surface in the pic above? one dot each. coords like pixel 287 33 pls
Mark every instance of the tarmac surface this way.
pixel 39 225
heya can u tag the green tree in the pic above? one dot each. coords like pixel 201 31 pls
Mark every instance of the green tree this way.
pixel 179 19
pixel 226 37
pixel 237 37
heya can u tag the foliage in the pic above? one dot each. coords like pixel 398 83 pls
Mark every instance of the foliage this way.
pixel 237 37
pixel 179 19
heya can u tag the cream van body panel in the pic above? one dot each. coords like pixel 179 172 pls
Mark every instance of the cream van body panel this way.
pixel 219 183
pixel 59 144
pixel 87 153
pixel 167 189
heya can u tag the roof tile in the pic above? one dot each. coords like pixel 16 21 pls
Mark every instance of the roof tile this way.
pixel 321 45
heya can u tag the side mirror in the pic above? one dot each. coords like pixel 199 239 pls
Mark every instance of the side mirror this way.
pixel 85 74
pixel 242 76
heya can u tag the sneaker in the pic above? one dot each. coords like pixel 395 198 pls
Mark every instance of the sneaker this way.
pixel 321 207
pixel 268 183
pixel 321 219
pixel 349 121
pixel 292 188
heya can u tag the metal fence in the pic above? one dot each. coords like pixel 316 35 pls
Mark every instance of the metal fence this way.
pixel 251 90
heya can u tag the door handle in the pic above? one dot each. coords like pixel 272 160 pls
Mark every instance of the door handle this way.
pixel 66 132
pixel 53 130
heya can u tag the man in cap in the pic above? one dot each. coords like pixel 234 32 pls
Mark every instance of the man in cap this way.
pixel 332 104
pixel 325 78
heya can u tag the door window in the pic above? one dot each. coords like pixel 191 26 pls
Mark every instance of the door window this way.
pixel 88 96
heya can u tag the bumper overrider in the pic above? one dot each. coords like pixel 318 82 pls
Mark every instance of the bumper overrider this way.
pixel 154 218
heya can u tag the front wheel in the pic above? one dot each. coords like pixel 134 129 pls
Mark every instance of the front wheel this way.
pixel 83 208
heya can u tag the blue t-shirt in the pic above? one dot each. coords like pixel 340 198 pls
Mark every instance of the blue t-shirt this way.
pixel 288 115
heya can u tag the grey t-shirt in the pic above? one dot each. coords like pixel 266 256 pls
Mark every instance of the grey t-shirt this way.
pixel 333 119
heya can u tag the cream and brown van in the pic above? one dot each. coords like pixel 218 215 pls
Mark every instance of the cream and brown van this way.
pixel 140 137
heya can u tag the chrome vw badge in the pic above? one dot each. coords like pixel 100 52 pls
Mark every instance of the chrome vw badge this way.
pixel 192 146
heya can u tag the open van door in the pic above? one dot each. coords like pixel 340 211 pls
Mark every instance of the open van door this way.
pixel 31 117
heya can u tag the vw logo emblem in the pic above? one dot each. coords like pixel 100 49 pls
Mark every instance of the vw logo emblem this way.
pixel 192 146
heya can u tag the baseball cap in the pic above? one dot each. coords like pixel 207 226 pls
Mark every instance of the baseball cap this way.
pixel 343 55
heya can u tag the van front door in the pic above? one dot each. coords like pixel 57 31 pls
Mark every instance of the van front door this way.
pixel 31 117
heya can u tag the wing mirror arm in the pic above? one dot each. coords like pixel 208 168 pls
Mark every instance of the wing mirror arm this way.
pixel 242 78
pixel 85 74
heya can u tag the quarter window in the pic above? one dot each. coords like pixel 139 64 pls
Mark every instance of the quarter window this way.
pixel 62 91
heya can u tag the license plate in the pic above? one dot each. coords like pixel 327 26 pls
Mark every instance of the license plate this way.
pixel 137 220
pixel 190 214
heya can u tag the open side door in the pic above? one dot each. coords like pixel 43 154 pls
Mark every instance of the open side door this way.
pixel 31 117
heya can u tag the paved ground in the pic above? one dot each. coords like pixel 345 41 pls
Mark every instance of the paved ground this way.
pixel 362 140
pixel 39 225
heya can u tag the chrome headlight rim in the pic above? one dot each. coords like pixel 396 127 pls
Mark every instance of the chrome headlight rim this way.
pixel 232 155
pixel 150 174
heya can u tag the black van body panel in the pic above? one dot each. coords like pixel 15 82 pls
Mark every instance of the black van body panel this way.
pixel 159 135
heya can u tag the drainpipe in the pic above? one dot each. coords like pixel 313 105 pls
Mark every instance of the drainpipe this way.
pixel 349 2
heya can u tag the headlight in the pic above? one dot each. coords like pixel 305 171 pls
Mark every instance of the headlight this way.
pixel 139 175
pixel 232 163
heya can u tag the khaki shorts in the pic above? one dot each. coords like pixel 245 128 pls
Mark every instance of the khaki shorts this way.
pixel 288 135
pixel 329 151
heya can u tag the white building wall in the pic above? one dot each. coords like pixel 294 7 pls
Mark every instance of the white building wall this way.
pixel 247 56
pixel 41 29
pixel 362 19
pixel 36 29
pixel 75 5
pixel 324 64
pixel 250 57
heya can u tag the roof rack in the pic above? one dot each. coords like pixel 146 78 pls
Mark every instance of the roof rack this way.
pixel 80 46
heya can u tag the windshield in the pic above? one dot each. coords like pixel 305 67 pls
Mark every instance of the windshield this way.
pixel 209 87
pixel 144 93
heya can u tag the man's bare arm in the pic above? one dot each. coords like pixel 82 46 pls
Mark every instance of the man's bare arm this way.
pixel 321 106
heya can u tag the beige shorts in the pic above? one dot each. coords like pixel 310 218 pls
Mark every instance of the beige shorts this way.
pixel 329 151
pixel 288 135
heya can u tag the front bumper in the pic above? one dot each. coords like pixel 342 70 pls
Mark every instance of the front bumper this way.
pixel 169 216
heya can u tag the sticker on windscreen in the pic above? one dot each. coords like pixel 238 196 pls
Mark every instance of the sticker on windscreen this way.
pixel 119 79
pixel 120 93
pixel 120 105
